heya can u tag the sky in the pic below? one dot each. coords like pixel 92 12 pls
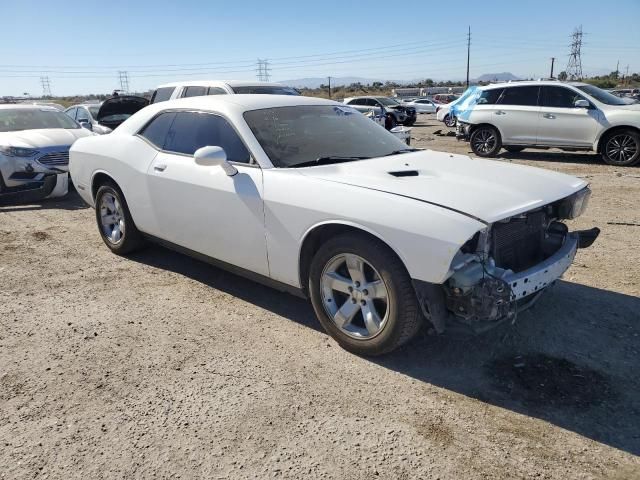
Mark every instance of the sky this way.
pixel 81 46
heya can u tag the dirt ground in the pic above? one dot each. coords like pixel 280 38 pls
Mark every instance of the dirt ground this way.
pixel 159 366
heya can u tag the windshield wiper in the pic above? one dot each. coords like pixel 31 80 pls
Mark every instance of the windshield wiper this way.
pixel 328 160
pixel 403 150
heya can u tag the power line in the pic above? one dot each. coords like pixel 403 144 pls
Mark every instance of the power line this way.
pixel 574 66
pixel 123 76
pixel 263 70
pixel 46 86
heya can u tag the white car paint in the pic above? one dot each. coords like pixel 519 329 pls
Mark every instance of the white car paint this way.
pixel 548 126
pixel 267 211
pixel 43 142
pixel 175 90
pixel 422 105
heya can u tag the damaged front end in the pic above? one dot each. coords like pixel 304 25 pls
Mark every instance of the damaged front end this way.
pixel 504 268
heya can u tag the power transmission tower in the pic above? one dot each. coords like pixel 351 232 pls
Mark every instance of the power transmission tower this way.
pixel 123 76
pixel 263 70
pixel 46 86
pixel 574 67
pixel 468 53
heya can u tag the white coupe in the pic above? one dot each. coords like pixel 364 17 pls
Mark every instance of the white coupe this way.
pixel 310 196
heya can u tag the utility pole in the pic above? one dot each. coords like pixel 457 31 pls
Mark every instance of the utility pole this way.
pixel 329 86
pixel 468 53
pixel 46 87
pixel 618 70
pixel 553 60
pixel 626 76
pixel 123 76
pixel 263 70
pixel 574 67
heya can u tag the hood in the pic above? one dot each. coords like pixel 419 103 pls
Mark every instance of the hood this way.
pixel 631 107
pixel 116 110
pixel 48 137
pixel 483 189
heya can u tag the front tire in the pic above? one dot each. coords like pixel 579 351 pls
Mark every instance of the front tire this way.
pixel 362 295
pixel 115 224
pixel 485 141
pixel 390 122
pixel 622 148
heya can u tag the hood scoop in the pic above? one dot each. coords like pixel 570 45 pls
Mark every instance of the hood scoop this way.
pixel 405 173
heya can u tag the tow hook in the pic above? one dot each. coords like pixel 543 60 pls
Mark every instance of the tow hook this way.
pixel 587 237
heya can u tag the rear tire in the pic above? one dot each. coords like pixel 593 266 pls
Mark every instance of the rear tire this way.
pixel 115 224
pixel 621 148
pixel 363 295
pixel 513 149
pixel 485 141
pixel 450 121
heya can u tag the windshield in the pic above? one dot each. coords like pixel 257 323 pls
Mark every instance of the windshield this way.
pixel 266 89
pixel 387 101
pixel 15 119
pixel 601 95
pixel 94 111
pixel 304 133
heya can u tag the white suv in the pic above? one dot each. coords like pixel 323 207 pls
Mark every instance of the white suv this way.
pixel 546 114
pixel 199 88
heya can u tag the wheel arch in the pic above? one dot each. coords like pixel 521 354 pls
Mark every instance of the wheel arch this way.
pixel 599 141
pixel 99 178
pixel 316 235
pixel 485 124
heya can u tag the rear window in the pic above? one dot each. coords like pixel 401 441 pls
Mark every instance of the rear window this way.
pixel 526 96
pixel 162 94
pixel 194 91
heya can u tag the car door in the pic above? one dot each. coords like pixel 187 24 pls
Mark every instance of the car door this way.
pixel 516 115
pixel 562 123
pixel 200 207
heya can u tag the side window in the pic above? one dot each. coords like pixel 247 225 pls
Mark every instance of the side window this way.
pixel 72 112
pixel 520 96
pixel 559 97
pixel 82 114
pixel 216 91
pixel 370 102
pixel 162 94
pixel 356 101
pixel 191 131
pixel 490 97
pixel 194 91
pixel 157 130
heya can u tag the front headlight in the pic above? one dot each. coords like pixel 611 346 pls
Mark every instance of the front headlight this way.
pixel 18 151
pixel 574 205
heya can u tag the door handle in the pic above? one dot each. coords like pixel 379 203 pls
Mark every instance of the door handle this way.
pixel 160 168
pixel 549 115
pixel 500 112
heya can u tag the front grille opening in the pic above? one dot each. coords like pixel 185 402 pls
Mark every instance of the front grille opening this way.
pixel 518 244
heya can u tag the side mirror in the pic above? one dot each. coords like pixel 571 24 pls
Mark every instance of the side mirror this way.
pixel 581 104
pixel 209 156
pixel 86 124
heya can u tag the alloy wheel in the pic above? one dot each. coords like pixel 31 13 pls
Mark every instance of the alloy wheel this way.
pixel 112 218
pixel 484 141
pixel 621 148
pixel 354 296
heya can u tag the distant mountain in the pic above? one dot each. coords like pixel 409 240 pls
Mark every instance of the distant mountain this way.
pixel 315 82
pixel 496 77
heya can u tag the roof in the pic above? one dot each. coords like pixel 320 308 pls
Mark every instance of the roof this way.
pixel 529 83
pixel 214 83
pixel 243 102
